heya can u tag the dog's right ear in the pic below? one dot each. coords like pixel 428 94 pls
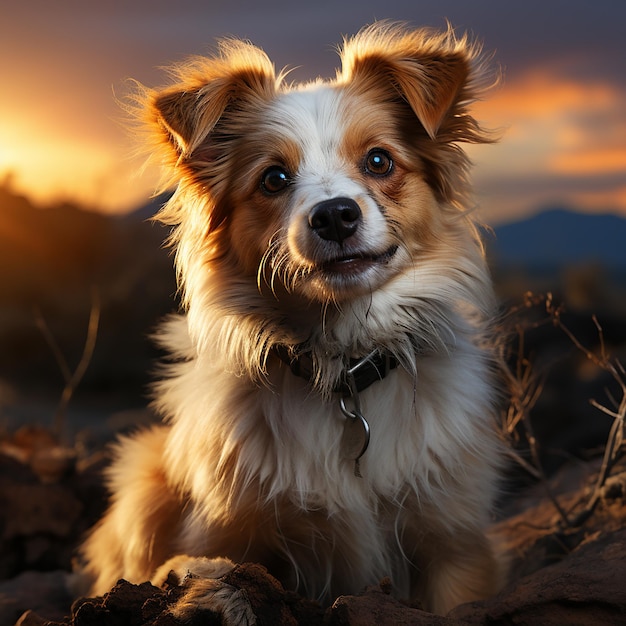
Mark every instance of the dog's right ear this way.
pixel 177 112
pixel 186 113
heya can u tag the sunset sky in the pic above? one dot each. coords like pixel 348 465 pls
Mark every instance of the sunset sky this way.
pixel 563 101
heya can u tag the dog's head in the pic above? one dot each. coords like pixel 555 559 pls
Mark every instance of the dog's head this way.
pixel 330 189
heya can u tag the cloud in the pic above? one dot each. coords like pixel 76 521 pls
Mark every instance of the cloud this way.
pixel 590 161
pixel 564 142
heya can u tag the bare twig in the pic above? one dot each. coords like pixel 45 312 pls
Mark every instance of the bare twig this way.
pixel 59 357
pixel 72 379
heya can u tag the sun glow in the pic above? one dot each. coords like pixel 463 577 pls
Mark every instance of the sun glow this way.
pixel 49 167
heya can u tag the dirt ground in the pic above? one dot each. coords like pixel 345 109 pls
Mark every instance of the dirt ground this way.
pixel 560 573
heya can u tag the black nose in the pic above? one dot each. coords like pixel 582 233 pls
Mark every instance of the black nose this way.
pixel 335 219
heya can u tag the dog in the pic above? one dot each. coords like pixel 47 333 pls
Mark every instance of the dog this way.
pixel 330 404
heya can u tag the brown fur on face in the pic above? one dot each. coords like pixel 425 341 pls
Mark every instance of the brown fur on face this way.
pixel 429 78
pixel 326 221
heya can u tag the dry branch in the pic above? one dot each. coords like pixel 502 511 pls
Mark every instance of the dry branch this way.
pixel 71 379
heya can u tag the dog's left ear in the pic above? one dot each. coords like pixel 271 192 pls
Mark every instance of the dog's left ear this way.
pixel 428 70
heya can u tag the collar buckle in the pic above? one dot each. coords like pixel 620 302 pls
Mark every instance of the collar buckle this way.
pixel 357 375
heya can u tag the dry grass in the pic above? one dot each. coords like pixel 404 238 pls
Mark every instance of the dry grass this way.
pixel 525 389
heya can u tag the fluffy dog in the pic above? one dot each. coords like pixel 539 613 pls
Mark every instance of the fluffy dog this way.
pixel 329 409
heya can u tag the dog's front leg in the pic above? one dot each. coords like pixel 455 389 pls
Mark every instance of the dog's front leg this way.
pixel 203 588
pixel 460 569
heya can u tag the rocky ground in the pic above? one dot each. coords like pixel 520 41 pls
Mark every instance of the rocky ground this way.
pixel 560 573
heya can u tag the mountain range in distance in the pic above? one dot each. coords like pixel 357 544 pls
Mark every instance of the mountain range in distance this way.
pixel 556 238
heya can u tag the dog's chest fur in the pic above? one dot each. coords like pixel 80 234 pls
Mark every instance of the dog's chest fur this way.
pixel 265 460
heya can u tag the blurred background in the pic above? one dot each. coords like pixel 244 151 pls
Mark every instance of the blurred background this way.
pixel 74 201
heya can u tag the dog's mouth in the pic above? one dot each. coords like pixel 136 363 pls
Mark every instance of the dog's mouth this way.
pixel 357 263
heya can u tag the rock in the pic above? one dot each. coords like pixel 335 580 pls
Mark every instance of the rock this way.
pixel 376 606
pixel 30 618
pixel 39 509
pixel 585 587
pixel 26 441
pixel 41 522
pixel 128 604
pixel 41 592
pixel 124 604
pixel 54 463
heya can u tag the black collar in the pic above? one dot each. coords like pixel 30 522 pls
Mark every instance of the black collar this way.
pixel 363 372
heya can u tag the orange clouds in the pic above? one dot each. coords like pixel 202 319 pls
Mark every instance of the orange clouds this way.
pixel 543 93
pixel 591 161
pixel 564 142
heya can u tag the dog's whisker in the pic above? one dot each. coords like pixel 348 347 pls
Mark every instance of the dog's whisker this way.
pixel 268 259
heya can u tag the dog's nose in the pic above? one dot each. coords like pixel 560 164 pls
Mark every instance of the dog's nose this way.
pixel 335 219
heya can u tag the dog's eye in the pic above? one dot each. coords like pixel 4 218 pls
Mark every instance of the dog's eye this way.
pixel 378 162
pixel 275 179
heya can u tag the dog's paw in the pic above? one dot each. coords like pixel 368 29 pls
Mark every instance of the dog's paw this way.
pixel 214 595
pixel 203 589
